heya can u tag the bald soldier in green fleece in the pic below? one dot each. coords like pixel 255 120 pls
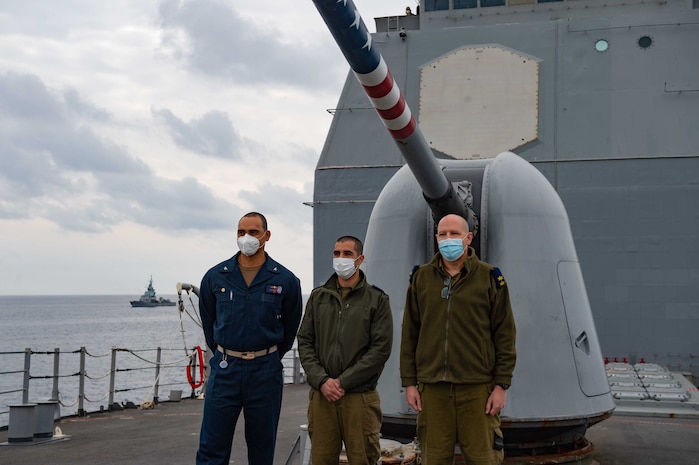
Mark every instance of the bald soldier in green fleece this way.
pixel 457 351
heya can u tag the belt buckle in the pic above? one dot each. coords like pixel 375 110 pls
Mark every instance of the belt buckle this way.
pixel 247 355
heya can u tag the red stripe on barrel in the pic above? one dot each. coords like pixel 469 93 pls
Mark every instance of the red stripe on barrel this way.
pixel 405 132
pixel 380 90
pixel 394 112
pixel 388 114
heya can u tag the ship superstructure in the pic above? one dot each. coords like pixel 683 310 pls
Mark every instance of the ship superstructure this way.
pixel 600 99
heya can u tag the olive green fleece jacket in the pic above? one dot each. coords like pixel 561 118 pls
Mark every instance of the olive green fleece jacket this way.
pixel 347 339
pixel 467 337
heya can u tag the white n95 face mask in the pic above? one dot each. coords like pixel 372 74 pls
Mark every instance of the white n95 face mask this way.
pixel 248 244
pixel 344 267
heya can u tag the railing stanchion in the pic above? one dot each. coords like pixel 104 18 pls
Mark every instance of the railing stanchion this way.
pixel 157 376
pixel 25 381
pixel 56 362
pixel 112 375
pixel 81 386
pixel 297 368
pixel 192 369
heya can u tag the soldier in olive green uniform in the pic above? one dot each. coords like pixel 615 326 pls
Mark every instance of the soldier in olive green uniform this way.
pixel 344 341
pixel 457 351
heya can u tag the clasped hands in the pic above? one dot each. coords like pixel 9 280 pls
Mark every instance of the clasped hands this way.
pixel 332 390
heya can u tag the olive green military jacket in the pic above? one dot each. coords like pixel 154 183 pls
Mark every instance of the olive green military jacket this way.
pixel 462 332
pixel 348 339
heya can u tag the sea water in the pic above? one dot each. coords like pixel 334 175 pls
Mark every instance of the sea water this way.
pixel 97 323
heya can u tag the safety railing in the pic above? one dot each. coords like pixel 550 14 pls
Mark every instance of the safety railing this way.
pixel 84 381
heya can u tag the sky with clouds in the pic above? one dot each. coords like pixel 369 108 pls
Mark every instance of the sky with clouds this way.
pixel 135 133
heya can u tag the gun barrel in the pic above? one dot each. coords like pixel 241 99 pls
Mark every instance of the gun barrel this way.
pixel 355 41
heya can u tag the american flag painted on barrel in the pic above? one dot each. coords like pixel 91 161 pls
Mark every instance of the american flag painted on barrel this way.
pixel 347 27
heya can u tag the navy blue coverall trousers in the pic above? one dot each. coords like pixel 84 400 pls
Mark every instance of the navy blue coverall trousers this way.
pixel 241 318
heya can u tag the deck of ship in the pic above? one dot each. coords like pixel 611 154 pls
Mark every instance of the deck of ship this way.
pixel 169 434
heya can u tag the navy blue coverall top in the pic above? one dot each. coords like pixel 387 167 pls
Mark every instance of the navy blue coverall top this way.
pixel 242 318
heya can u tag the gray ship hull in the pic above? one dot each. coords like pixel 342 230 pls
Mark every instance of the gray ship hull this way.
pixel 138 303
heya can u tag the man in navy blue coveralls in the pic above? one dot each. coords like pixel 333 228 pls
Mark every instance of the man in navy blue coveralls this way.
pixel 250 308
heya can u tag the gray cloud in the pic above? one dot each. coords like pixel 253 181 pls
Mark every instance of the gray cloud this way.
pixel 221 43
pixel 28 99
pixel 55 166
pixel 213 134
pixel 170 204
pixel 280 200
pixel 81 108
pixel 57 20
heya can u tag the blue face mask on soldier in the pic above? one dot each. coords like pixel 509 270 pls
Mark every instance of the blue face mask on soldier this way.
pixel 452 248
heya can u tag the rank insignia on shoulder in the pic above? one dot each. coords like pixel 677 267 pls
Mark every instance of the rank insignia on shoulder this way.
pixel 410 276
pixel 378 289
pixel 274 290
pixel 499 278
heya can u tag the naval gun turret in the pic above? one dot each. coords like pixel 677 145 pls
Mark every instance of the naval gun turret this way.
pixel 560 386
pixel 351 34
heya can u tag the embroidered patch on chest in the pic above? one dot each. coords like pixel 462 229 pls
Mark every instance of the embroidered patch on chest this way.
pixel 272 289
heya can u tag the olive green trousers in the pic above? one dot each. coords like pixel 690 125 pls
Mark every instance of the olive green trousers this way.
pixel 454 413
pixel 355 420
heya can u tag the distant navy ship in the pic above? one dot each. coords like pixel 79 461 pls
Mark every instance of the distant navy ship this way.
pixel 149 299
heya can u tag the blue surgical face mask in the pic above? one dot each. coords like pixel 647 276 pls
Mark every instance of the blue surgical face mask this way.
pixel 451 249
